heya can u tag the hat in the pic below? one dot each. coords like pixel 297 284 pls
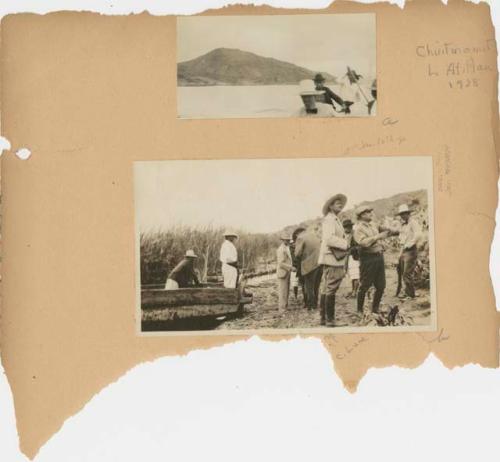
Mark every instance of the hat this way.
pixel 403 209
pixel 362 209
pixel 347 222
pixel 191 254
pixel 285 237
pixel 319 78
pixel 337 197
pixel 230 232
pixel 297 231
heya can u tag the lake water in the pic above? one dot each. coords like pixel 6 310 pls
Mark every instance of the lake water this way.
pixel 222 102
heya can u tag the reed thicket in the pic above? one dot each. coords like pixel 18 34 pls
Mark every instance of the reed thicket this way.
pixel 161 250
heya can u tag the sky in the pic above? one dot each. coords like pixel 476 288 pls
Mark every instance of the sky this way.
pixel 265 195
pixel 319 42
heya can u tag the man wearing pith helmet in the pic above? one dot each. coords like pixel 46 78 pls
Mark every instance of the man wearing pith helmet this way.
pixel 229 258
pixel 409 238
pixel 332 256
pixel 368 236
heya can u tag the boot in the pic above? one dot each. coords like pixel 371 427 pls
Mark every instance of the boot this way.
pixel 322 309
pixel 376 300
pixel 361 301
pixel 330 310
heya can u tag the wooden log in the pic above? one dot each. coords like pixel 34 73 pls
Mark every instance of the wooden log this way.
pixel 184 312
pixel 152 286
pixel 189 297
pixel 162 286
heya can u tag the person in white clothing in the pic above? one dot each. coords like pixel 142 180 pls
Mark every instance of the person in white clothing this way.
pixel 229 259
pixel 410 234
pixel 352 258
pixel 284 268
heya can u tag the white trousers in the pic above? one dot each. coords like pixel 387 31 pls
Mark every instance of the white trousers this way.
pixel 230 274
pixel 171 285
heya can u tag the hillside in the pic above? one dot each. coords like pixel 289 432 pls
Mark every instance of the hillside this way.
pixel 227 66
pixel 382 207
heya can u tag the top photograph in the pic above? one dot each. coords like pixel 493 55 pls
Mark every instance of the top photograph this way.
pixel 306 65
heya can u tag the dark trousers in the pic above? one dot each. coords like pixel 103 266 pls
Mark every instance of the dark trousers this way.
pixel 312 280
pixel 372 272
pixel 330 282
pixel 408 261
pixel 333 96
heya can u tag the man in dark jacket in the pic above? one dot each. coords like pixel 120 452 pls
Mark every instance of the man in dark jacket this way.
pixel 330 96
pixel 183 275
pixel 306 253
pixel 369 236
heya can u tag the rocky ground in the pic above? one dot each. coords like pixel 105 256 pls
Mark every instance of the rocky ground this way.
pixel 263 312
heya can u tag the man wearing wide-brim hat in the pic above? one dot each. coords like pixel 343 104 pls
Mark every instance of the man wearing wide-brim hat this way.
pixel 332 256
pixel 410 234
pixel 284 267
pixel 228 256
pixel 183 275
pixel 330 96
pixel 368 235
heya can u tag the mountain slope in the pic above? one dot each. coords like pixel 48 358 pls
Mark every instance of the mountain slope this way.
pixel 381 207
pixel 228 66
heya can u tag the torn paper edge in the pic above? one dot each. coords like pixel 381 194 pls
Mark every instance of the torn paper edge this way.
pixel 25 153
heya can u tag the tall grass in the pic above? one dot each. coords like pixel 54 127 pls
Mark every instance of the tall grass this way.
pixel 161 250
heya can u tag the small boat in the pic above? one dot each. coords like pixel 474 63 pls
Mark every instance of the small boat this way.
pixel 190 308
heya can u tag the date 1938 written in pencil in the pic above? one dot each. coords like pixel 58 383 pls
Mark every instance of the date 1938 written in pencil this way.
pixel 465 66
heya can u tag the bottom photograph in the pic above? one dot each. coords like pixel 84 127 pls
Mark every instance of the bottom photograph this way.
pixel 308 245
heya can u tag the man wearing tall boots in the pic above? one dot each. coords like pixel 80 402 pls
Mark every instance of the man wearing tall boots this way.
pixel 409 238
pixel 368 236
pixel 332 256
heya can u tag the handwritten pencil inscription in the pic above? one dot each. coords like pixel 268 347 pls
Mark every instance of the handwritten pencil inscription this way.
pixel 461 66
pixel 444 170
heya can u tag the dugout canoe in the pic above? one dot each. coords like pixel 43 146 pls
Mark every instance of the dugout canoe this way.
pixel 176 309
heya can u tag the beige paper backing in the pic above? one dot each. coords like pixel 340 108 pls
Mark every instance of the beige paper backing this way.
pixel 90 94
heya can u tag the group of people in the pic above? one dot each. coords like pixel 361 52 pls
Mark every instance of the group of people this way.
pixel 346 248
pixel 321 264
pixel 332 98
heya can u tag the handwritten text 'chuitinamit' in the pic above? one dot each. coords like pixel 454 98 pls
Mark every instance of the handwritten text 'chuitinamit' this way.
pixel 462 66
